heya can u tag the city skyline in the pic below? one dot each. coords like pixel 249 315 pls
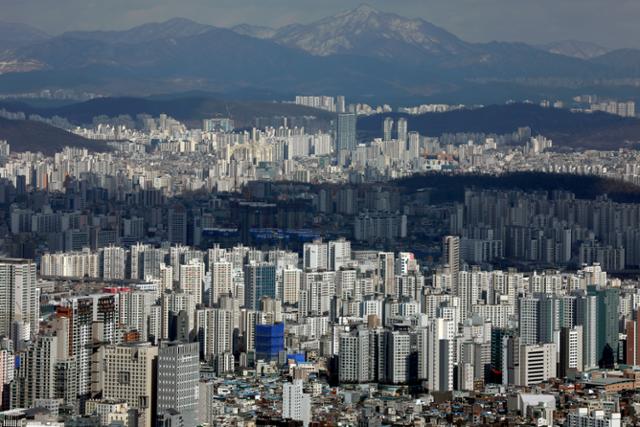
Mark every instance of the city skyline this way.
pixel 369 216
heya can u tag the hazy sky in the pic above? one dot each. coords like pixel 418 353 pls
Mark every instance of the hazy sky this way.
pixel 612 23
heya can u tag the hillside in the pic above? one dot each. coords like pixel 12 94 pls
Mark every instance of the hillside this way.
pixel 570 130
pixel 448 188
pixel 190 109
pixel 27 135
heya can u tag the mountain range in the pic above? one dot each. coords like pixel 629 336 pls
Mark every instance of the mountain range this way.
pixel 363 53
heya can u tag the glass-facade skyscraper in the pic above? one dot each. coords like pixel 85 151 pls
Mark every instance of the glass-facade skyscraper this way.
pixel 259 281
pixel 346 133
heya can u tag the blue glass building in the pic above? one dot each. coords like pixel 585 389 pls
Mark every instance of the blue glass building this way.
pixel 269 341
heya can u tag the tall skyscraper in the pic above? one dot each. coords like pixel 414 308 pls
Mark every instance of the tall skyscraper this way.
pixel 315 255
pixel 18 299
pixel 259 281
pixel 570 351
pixel 387 129
pixel 291 281
pixel 339 254
pixel 355 357
pixel 346 132
pixel 397 357
pixel 221 280
pixel 175 302
pixel 586 316
pixel 607 336
pixel 413 146
pixel 632 328
pixel 440 354
pixel 191 279
pixel 386 271
pixel 35 374
pixel 113 263
pixel 451 254
pixel 296 404
pixel 341 104
pixel 402 129
pixel 75 318
pixel 177 225
pixel 214 331
pixel 528 311
pixel 178 378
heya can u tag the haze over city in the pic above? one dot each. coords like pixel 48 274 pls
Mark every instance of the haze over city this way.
pixel 315 214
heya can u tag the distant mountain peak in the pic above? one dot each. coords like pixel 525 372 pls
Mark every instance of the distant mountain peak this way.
pixel 367 31
pixel 179 20
pixel 256 31
pixel 170 29
pixel 14 35
pixel 575 49
pixel 364 10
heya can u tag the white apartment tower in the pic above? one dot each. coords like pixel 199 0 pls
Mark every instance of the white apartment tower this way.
pixel 296 404
pixel 18 298
pixel 192 278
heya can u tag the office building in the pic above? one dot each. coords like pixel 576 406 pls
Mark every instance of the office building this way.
pixel 129 375
pixel 178 378
pixel 537 364
pixel 269 341
pixel 259 281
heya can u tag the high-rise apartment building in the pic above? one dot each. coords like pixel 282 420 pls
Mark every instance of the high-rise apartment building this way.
pixel 19 305
pixel 387 129
pixel 402 130
pixel 451 254
pixel 355 357
pixel 339 254
pixel 296 404
pixel 192 279
pixel 221 280
pixel 214 331
pixel 315 255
